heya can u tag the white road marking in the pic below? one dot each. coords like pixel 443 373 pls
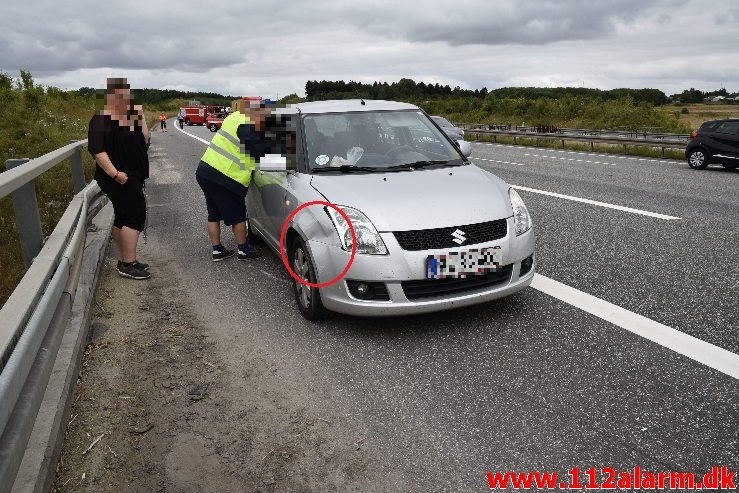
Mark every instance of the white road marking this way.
pixel 631 158
pixel 595 202
pixel 696 349
pixel 206 142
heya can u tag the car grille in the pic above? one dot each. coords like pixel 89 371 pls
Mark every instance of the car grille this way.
pixel 428 239
pixel 432 288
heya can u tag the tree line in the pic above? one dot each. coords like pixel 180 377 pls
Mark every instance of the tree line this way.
pixel 410 89
pixel 149 96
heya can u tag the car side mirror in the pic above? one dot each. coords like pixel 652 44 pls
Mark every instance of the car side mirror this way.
pixel 465 147
pixel 272 162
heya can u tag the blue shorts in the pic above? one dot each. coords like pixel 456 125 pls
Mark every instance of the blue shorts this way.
pixel 223 203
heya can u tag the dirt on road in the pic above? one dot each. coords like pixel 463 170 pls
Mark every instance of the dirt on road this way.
pixel 159 408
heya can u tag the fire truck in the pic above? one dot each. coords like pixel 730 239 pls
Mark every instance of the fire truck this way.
pixel 197 114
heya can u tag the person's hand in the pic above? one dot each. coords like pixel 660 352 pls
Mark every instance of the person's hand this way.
pixel 121 178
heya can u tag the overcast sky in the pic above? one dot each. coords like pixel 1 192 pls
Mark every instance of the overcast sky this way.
pixel 240 47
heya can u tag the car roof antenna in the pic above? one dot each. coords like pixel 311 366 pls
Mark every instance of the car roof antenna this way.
pixel 361 101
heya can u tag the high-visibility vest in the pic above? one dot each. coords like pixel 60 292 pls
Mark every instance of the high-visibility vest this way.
pixel 225 154
pixel 162 118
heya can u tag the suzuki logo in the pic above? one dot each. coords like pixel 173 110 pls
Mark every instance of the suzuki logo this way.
pixel 458 236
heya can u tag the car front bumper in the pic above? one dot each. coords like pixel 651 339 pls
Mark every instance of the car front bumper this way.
pixel 403 265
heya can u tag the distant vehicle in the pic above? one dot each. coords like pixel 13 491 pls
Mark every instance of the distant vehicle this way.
pixel 715 141
pixel 214 121
pixel 197 114
pixel 454 133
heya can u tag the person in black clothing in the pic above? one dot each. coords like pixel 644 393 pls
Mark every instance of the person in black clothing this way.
pixel 118 140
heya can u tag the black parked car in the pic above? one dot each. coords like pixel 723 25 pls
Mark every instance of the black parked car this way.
pixel 714 142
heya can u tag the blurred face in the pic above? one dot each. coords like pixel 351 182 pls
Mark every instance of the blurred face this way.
pixel 257 115
pixel 120 100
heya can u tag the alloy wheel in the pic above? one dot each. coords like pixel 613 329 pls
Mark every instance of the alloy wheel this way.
pixel 697 159
pixel 301 267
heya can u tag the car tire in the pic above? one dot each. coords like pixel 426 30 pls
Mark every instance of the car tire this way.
pixel 188 122
pixel 698 159
pixel 731 166
pixel 308 298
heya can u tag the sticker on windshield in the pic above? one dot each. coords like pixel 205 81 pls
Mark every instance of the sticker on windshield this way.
pixel 322 160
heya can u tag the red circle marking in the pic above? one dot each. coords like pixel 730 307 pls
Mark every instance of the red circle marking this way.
pixel 282 244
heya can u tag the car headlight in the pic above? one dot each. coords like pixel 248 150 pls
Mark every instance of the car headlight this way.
pixel 521 217
pixel 368 239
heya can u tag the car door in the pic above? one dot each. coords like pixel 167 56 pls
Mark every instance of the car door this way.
pixel 272 194
pixel 726 138
pixel 273 183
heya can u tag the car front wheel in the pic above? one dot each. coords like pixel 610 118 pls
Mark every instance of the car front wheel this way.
pixel 698 159
pixel 307 297
pixel 213 127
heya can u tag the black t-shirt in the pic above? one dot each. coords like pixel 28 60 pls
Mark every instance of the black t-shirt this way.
pixel 126 148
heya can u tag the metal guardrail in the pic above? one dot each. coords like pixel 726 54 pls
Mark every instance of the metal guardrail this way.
pixel 555 132
pixel 35 315
pixel 662 141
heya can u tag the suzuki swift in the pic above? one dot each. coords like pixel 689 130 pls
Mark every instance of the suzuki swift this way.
pixel 432 230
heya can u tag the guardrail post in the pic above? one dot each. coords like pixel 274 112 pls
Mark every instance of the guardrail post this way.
pixel 27 217
pixel 78 172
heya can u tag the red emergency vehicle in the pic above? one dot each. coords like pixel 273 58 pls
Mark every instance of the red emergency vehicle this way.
pixel 197 114
pixel 214 121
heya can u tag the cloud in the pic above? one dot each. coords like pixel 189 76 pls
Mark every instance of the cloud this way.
pixel 494 23
pixel 257 47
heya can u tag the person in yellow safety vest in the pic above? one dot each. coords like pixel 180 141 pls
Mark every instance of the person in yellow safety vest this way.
pixel 224 174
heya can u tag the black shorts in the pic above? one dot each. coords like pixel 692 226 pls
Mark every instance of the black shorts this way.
pixel 223 204
pixel 129 203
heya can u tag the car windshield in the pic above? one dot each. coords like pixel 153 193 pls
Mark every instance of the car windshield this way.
pixel 369 141
pixel 443 122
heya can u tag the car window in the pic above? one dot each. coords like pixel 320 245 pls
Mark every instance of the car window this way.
pixel 376 139
pixel 728 128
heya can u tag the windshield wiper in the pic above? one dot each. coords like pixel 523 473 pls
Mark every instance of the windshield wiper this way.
pixel 418 164
pixel 347 168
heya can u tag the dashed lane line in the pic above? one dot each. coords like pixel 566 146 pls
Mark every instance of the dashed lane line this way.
pixel 596 202
pixel 612 156
pixel 696 349
pixel 571 159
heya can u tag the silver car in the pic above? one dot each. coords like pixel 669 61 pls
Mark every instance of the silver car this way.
pixel 432 231
pixel 454 133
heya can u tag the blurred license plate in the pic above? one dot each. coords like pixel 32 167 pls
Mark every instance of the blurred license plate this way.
pixel 463 264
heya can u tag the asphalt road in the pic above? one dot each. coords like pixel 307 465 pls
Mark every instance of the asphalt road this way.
pixel 526 383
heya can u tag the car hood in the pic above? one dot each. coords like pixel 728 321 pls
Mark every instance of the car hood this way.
pixel 421 199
